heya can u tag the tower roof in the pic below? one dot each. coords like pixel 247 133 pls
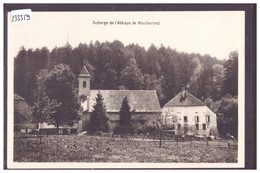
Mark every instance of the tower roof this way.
pixel 84 71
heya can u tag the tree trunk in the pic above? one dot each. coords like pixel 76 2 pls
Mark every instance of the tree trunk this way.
pixel 160 143
pixel 57 129
pixel 40 137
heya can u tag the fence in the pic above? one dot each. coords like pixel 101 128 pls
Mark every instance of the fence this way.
pixel 221 142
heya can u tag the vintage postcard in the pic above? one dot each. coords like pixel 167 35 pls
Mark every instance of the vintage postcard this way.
pixel 125 89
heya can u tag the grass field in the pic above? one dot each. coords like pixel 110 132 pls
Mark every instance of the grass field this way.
pixel 72 148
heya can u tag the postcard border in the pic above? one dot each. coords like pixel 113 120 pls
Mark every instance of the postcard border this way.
pixel 250 54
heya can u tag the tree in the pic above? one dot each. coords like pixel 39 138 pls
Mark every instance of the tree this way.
pixel 27 65
pixel 125 125
pixel 57 98
pixel 228 115
pixel 131 75
pixel 218 78
pixel 168 81
pixel 206 84
pixel 230 85
pixel 43 109
pixel 153 64
pixel 98 120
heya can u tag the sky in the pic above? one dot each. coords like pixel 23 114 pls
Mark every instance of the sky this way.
pixel 214 33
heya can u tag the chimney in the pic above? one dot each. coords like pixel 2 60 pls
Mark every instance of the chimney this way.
pixel 184 93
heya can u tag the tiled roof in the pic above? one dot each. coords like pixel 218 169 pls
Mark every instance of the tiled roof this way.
pixel 139 100
pixel 17 97
pixel 189 100
pixel 84 72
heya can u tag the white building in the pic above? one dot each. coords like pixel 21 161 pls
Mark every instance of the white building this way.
pixel 185 114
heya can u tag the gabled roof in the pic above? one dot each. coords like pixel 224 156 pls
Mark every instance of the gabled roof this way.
pixel 189 100
pixel 139 100
pixel 17 97
pixel 84 71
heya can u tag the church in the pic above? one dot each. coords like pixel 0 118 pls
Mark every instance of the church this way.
pixel 144 104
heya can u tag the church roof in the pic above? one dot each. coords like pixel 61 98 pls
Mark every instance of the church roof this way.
pixel 139 100
pixel 17 97
pixel 188 100
pixel 84 72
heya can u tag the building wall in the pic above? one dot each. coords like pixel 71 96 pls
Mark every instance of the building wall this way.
pixel 174 119
pixel 21 112
pixel 114 118
pixel 82 90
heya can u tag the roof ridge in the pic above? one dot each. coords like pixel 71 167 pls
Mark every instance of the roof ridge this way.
pixel 172 98
pixel 16 96
pixel 190 100
pixel 139 100
pixel 196 97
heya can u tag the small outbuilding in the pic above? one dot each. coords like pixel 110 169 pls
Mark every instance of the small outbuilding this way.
pixel 21 113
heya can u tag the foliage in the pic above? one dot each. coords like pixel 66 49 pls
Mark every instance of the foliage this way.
pixel 98 120
pixel 228 115
pixel 43 109
pixel 230 85
pixel 71 148
pixel 113 65
pixel 125 125
pixel 131 75
pixel 56 97
pixel 27 65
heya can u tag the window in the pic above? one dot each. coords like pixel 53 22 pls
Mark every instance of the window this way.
pixel 185 119
pixel 204 126
pixel 179 126
pixel 173 126
pixel 174 118
pixel 84 84
pixel 208 118
pixel 197 126
pixel 197 119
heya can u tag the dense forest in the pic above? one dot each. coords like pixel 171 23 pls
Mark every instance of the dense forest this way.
pixel 113 65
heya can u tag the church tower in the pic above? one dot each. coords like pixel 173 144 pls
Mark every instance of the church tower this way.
pixel 84 82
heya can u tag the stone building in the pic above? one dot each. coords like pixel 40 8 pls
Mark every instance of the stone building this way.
pixel 186 114
pixel 144 104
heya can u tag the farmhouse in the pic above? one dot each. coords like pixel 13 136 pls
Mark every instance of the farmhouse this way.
pixel 185 114
pixel 144 104
pixel 21 113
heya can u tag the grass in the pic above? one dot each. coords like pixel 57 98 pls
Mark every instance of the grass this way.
pixel 72 148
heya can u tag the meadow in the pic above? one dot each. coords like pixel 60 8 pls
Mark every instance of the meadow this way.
pixel 73 148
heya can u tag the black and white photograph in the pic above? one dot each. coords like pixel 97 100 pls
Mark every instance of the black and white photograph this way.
pixel 126 89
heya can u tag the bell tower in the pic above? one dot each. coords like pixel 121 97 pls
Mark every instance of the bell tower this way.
pixel 84 82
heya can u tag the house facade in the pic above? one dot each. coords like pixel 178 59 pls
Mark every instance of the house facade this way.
pixel 144 104
pixel 185 114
